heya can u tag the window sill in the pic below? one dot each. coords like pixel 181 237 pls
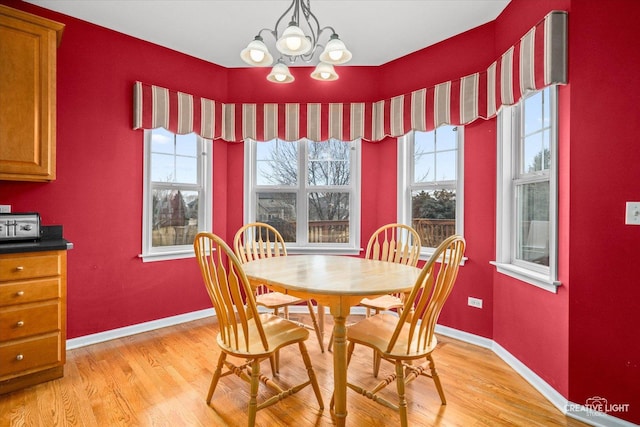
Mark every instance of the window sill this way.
pixel 425 256
pixel 167 256
pixel 539 280
pixel 322 251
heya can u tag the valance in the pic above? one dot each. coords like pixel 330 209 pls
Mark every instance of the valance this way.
pixel 538 60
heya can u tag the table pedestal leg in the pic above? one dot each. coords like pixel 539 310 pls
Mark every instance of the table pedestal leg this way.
pixel 339 364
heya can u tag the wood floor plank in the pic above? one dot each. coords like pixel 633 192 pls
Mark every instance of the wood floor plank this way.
pixel 161 378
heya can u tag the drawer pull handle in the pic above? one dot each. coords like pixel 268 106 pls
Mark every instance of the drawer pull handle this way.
pixel 20 323
pixel 19 268
pixel 19 357
pixel 20 293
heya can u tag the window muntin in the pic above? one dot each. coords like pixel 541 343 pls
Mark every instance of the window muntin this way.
pixel 430 183
pixel 177 198
pixel 307 190
pixel 527 190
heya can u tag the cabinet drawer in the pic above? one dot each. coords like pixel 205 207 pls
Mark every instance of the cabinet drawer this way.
pixel 21 356
pixel 30 291
pixel 24 321
pixel 40 264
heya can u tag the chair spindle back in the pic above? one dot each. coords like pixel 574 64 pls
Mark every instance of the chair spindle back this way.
pixel 397 243
pixel 432 288
pixel 227 285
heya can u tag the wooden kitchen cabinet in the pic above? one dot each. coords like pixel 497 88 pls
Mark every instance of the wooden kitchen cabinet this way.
pixel 32 318
pixel 28 46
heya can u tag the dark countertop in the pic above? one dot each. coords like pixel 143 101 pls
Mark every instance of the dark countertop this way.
pixel 51 240
pixel 37 246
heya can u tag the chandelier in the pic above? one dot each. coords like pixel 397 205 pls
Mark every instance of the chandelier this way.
pixel 299 40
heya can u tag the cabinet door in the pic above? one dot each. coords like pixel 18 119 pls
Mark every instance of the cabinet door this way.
pixel 27 99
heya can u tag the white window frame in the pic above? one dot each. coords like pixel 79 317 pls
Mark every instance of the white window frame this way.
pixel 406 184
pixel 509 137
pixel 205 170
pixel 302 245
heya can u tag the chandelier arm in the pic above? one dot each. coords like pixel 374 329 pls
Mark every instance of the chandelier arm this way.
pixel 308 16
pixel 308 57
pixel 274 33
pixel 293 17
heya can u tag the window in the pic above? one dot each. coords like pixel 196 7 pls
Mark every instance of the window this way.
pixel 177 193
pixel 430 178
pixel 527 190
pixel 309 191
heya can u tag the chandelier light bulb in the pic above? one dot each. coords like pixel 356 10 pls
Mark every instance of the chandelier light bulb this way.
pixel 293 41
pixel 335 55
pixel 280 73
pixel 324 72
pixel 335 52
pixel 256 55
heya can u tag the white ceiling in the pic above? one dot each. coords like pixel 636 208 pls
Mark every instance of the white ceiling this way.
pixel 375 31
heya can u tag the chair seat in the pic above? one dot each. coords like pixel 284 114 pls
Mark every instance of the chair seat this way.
pixel 275 300
pixel 279 332
pixel 382 303
pixel 376 332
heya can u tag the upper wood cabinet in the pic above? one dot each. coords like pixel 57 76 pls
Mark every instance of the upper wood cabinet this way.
pixel 28 46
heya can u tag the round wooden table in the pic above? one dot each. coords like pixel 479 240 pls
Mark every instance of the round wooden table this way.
pixel 338 282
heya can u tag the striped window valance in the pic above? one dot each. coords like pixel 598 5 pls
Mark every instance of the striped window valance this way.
pixel 538 60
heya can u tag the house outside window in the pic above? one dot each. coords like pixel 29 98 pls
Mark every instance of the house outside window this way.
pixel 177 193
pixel 527 190
pixel 309 191
pixel 430 184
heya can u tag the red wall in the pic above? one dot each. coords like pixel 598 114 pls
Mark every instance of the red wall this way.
pixel 604 308
pixel 582 341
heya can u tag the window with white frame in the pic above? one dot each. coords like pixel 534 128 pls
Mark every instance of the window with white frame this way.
pixel 430 183
pixel 309 191
pixel 177 193
pixel 526 243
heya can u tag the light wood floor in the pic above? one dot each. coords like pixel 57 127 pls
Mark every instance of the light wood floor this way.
pixel 161 378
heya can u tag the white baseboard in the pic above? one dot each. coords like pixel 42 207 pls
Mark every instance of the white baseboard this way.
pixel 573 410
pixel 464 336
pixel 137 329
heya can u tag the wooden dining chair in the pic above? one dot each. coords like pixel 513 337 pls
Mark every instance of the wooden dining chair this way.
pixel 259 240
pixel 397 243
pixel 405 339
pixel 244 332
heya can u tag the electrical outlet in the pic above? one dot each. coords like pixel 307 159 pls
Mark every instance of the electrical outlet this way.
pixel 474 302
pixel 5 208
pixel 632 216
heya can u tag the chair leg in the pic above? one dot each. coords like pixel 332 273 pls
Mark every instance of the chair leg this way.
pixel 436 379
pixel 311 373
pixel 272 362
pixel 350 349
pixel 376 363
pixel 216 376
pixel 316 328
pixel 253 400
pixel 330 345
pixel 402 401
